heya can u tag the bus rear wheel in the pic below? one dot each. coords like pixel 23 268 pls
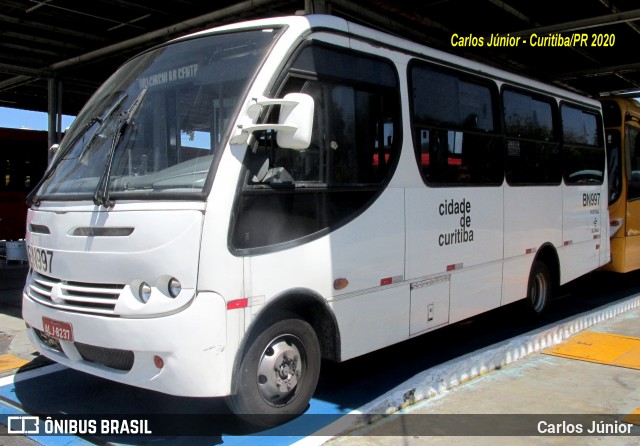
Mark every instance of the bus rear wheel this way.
pixel 278 374
pixel 540 288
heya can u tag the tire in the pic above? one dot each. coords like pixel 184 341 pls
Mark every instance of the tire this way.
pixel 540 288
pixel 278 374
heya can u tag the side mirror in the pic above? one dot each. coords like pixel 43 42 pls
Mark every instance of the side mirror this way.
pixel 53 152
pixel 294 126
pixel 297 113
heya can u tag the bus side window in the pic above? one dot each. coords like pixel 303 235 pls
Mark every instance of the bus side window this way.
pixel 533 144
pixel 455 133
pixel 633 172
pixel 582 150
pixel 614 165
pixel 288 194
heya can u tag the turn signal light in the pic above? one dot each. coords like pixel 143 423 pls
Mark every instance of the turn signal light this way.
pixel 340 284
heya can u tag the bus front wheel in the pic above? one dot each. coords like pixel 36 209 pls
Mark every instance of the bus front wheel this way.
pixel 540 288
pixel 278 374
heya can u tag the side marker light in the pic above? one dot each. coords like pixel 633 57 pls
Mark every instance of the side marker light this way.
pixel 158 361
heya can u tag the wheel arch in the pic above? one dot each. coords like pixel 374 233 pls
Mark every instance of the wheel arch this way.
pixel 308 306
pixel 548 254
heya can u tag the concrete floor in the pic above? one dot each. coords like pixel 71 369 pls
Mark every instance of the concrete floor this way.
pixel 546 389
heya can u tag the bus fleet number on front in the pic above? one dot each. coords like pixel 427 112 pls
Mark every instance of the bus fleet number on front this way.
pixel 40 259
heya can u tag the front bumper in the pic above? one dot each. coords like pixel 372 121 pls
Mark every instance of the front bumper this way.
pixel 191 343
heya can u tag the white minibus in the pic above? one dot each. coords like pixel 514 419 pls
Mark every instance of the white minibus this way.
pixel 232 207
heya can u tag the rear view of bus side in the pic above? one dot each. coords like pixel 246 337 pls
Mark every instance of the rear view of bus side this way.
pixel 622 126
pixel 269 194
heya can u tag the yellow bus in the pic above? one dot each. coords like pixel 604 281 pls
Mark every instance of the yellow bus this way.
pixel 622 126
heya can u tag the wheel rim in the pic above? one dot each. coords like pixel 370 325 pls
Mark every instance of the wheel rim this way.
pixel 281 369
pixel 539 292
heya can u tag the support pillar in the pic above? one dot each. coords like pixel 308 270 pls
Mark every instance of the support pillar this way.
pixel 55 113
pixel 316 7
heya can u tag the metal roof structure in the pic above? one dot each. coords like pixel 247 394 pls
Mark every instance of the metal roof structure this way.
pixel 60 51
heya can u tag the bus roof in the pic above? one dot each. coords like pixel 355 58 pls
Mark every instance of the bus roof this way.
pixel 303 24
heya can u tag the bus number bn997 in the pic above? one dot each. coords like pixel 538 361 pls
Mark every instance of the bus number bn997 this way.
pixel 40 259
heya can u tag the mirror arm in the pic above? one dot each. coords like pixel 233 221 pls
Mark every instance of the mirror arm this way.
pixel 295 121
pixel 243 136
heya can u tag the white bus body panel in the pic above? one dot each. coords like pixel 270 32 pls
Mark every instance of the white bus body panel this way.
pixel 533 217
pixel 365 251
pixel 158 236
pixel 443 241
pixel 582 230
pixel 164 242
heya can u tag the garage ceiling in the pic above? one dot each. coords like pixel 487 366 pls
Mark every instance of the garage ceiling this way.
pixel 80 43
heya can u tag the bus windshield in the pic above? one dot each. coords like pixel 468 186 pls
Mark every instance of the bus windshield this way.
pixel 155 128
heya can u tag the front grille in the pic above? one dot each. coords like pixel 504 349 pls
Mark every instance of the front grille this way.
pixel 108 357
pixel 80 297
pixel 48 341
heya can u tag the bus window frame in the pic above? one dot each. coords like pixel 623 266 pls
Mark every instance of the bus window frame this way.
pixel 597 113
pixel 556 122
pixel 497 132
pixel 628 161
pixel 285 74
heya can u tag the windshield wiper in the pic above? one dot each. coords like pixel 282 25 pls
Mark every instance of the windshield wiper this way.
pixel 101 195
pixel 103 120
pixel 33 198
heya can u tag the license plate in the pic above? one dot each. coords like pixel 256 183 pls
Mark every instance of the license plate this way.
pixel 57 329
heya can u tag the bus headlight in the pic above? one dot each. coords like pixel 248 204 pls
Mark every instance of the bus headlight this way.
pixel 174 287
pixel 144 292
